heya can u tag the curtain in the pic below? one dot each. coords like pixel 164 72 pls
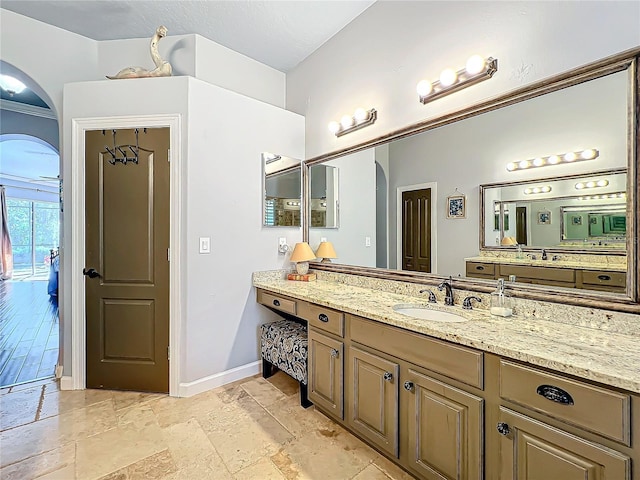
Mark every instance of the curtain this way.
pixel 6 252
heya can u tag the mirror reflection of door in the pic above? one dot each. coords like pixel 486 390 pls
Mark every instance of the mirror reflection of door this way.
pixel 416 230
pixel 127 241
pixel 521 225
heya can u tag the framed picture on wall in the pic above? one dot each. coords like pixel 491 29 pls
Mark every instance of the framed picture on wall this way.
pixel 457 206
pixel 544 217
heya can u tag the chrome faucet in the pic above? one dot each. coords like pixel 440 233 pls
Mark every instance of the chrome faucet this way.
pixel 446 284
pixel 466 304
pixel 544 254
pixel 432 296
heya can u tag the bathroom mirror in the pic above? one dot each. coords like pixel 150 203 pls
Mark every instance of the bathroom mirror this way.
pixel 282 186
pixel 591 107
pixel 513 210
pixel 324 190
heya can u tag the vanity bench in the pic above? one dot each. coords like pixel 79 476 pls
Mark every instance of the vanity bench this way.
pixel 475 400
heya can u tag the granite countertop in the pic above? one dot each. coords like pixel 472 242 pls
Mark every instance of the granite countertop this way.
pixel 606 357
pixel 609 267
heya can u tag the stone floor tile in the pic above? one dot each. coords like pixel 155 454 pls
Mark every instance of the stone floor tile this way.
pixel 285 383
pixel 154 467
pixel 19 408
pixel 371 473
pixel 211 468
pixel 128 399
pixel 58 402
pixel 171 410
pixel 297 420
pixel 263 469
pixel 263 392
pixel 188 443
pixel 49 463
pixel 391 469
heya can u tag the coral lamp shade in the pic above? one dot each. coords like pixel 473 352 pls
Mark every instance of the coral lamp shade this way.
pixel 302 253
pixel 326 251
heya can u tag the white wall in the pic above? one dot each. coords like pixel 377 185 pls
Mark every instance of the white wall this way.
pixel 223 135
pixel 377 60
pixel 357 211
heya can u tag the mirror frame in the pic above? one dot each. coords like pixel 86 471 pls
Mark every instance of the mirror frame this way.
pixel 627 60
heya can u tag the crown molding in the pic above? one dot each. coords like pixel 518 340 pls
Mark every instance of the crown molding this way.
pixel 26 109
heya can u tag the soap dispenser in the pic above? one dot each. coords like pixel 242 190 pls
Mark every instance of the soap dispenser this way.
pixel 500 302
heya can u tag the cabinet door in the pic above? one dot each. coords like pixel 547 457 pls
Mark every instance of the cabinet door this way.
pixel 532 450
pixel 373 394
pixel 445 429
pixel 326 373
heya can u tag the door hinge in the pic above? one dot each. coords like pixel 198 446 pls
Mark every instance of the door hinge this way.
pixel 168 353
pixel 169 155
pixel 168 254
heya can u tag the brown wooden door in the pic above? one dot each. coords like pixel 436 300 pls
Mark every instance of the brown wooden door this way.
pixel 373 394
pixel 521 225
pixel 326 368
pixel 532 450
pixel 127 241
pixel 445 429
pixel 416 230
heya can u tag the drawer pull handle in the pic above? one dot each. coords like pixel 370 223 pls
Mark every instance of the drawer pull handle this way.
pixel 503 428
pixel 276 303
pixel 388 376
pixel 408 386
pixel 555 394
pixel 604 277
pixel 334 353
pixel 323 318
pixel 479 267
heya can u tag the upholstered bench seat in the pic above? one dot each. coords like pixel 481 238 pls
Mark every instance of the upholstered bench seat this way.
pixel 284 345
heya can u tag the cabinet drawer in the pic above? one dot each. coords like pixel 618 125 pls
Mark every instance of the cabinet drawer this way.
pixel 278 302
pixel 575 402
pixel 322 318
pixel 539 273
pixel 613 279
pixel 475 269
pixel 460 363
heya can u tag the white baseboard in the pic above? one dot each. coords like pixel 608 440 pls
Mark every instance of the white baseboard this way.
pixel 212 381
pixel 59 369
pixel 66 383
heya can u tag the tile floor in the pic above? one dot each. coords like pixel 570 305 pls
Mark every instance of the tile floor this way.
pixel 252 429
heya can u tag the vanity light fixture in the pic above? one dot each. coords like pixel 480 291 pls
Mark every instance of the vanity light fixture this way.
pixel 570 157
pixel 476 70
pixel 11 85
pixel 592 184
pixel 361 118
pixel 536 190
pixel 604 196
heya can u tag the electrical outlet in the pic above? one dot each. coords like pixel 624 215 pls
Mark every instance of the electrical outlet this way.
pixel 205 245
pixel 367 241
pixel 282 241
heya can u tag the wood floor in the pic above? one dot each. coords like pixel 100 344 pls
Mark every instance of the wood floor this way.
pixel 29 332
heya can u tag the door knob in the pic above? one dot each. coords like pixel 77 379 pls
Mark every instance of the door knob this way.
pixel 91 273
pixel 503 428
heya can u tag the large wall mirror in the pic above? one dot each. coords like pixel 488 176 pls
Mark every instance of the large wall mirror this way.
pixel 281 190
pixel 394 191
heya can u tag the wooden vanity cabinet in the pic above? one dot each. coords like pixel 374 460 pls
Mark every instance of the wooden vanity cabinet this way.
pixel 326 368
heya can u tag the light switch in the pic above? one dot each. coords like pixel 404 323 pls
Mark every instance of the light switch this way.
pixel 205 245
pixel 323 239
pixel 367 241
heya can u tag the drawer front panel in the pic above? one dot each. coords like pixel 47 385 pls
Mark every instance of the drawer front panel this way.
pixel 278 302
pixel 323 318
pixel 460 363
pixel 578 403
pixel 481 268
pixel 542 273
pixel 614 279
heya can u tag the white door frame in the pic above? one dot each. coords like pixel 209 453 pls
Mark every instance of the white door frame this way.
pixel 77 209
pixel 434 229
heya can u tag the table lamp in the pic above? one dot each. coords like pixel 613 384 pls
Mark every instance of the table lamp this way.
pixel 508 241
pixel 326 252
pixel 301 255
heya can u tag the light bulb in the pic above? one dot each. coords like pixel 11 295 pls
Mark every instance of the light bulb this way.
pixel 612 196
pixel 448 77
pixel 361 115
pixel 602 183
pixel 579 186
pixel 528 191
pixel 546 189
pixel 511 166
pixel 536 190
pixel 475 64
pixel 569 157
pixel 424 88
pixel 588 154
pixel 346 121
pixel 553 159
pixel 591 184
pixel 524 164
pixel 334 127
pixel 538 162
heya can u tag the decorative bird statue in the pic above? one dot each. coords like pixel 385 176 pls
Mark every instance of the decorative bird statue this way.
pixel 163 68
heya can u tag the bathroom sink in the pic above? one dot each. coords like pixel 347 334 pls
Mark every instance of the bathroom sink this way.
pixel 425 312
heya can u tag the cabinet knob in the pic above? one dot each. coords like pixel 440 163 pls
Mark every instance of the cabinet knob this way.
pixel 388 376
pixel 323 318
pixel 334 353
pixel 276 303
pixel 604 278
pixel 503 428
pixel 408 386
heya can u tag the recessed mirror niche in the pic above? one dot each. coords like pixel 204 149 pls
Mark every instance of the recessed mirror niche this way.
pixel 282 186
pixel 590 111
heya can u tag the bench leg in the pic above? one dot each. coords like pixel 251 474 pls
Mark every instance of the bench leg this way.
pixel 304 399
pixel 267 369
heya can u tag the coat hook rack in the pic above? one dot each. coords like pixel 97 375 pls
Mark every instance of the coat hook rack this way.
pixel 119 153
